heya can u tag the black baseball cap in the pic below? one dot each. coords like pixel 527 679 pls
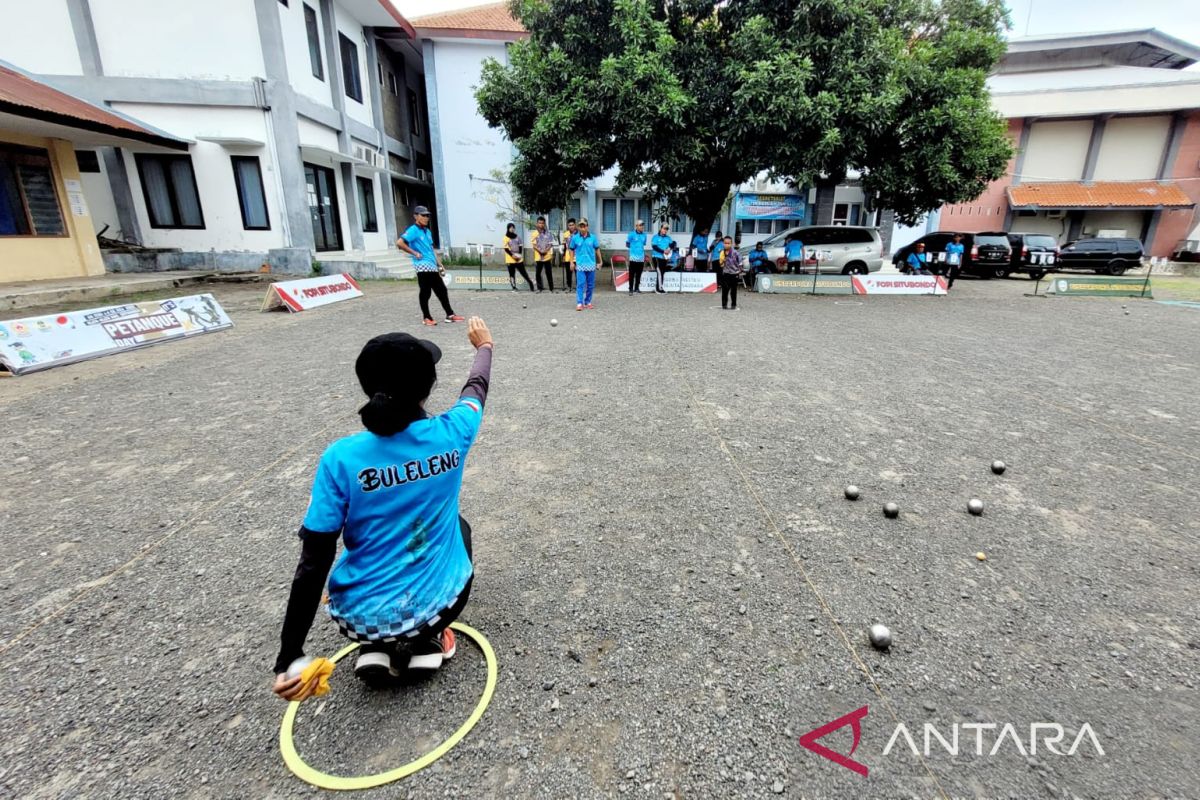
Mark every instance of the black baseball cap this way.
pixel 421 210
pixel 399 365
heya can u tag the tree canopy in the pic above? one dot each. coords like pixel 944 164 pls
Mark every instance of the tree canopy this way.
pixel 689 97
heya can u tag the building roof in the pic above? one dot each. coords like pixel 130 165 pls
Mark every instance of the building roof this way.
pixel 1101 194
pixel 490 21
pixel 28 105
pixel 1063 80
pixel 1144 47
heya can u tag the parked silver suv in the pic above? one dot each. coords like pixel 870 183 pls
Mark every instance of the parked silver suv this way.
pixel 840 249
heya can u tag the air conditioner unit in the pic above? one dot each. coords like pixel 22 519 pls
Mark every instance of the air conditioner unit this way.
pixel 423 175
pixel 370 156
pixel 1055 213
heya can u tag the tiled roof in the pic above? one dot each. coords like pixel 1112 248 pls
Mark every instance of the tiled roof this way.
pixel 1101 194
pixel 493 17
pixel 24 96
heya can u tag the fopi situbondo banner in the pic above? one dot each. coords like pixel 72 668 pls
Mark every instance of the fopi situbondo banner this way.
pixel 306 293
pixel 852 284
pixel 36 343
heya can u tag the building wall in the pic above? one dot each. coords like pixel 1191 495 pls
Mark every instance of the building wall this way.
pixel 295 48
pixel 1056 151
pixel 352 30
pixel 216 39
pixel 1130 221
pixel 98 191
pixel 988 212
pixel 1178 224
pixel 1132 148
pixel 223 228
pixel 24 258
pixel 39 38
pixel 470 149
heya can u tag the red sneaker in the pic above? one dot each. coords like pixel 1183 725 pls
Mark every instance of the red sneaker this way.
pixel 579 308
pixel 430 323
pixel 454 318
pixel 589 306
pixel 433 652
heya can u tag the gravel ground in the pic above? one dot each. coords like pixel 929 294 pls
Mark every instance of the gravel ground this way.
pixel 672 581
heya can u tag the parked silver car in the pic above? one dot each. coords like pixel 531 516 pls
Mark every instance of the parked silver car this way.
pixel 840 249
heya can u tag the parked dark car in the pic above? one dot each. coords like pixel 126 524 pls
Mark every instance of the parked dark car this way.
pixel 987 254
pixel 1034 253
pixel 1102 256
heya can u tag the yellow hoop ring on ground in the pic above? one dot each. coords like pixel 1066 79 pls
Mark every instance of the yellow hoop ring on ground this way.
pixel 287 744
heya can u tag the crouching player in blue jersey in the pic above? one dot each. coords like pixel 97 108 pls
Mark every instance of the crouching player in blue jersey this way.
pixel 391 493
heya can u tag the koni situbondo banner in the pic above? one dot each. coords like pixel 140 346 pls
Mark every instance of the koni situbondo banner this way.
pixel 36 343
pixel 673 282
pixel 852 284
pixel 487 280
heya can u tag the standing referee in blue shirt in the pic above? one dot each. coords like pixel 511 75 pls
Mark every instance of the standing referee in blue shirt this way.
pixel 417 241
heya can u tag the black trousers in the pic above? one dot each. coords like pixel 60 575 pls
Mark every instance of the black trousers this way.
pixel 635 275
pixel 548 266
pixel 568 274
pixel 432 282
pixel 952 273
pixel 513 269
pixel 700 265
pixel 660 266
pixel 729 287
pixel 795 266
pixel 445 617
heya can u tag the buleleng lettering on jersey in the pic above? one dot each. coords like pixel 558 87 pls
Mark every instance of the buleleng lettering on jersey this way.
pixel 373 478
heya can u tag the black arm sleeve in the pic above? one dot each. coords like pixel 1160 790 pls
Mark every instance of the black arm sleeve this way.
pixel 316 558
pixel 481 375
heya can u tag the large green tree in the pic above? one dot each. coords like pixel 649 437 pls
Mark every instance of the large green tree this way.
pixel 688 97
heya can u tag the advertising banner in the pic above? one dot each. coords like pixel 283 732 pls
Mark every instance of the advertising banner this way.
pixel 899 284
pixel 1100 286
pixel 492 279
pixel 673 282
pixel 768 206
pixel 36 343
pixel 802 284
pixel 310 292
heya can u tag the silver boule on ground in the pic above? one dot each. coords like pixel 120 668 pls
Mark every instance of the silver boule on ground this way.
pixel 975 506
pixel 852 492
pixel 891 510
pixel 879 636
pixel 998 467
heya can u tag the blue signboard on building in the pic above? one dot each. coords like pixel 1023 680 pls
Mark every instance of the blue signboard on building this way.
pixel 768 206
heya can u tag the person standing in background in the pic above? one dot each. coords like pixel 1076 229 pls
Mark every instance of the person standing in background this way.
pixel 660 247
pixel 954 259
pixel 587 257
pixel 514 257
pixel 635 243
pixel 417 241
pixel 699 250
pixel 543 254
pixel 568 255
pixel 716 254
pixel 731 274
pixel 793 251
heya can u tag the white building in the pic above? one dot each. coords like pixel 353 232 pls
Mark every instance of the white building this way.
pixel 305 120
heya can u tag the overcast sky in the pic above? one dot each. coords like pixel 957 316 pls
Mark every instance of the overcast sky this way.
pixel 1180 18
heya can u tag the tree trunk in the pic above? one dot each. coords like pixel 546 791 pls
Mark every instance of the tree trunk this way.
pixel 887 223
pixel 704 209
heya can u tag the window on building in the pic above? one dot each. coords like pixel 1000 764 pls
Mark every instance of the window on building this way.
pixel 393 87
pixel 29 204
pixel 314 42
pixel 247 176
pixel 350 74
pixel 608 215
pixel 284 2
pixel 628 214
pixel 681 224
pixel 88 160
pixel 169 187
pixel 414 112
pixel 366 204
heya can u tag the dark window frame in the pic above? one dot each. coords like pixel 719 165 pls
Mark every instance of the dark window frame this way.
pixel 262 190
pixel 140 159
pixel 350 68
pixel 313 30
pixel 414 112
pixel 393 84
pixel 366 202
pixel 85 164
pixel 36 154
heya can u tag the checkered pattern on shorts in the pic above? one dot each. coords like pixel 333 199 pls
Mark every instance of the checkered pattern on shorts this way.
pixel 373 629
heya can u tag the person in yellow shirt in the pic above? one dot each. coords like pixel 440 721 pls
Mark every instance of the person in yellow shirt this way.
pixel 543 254
pixel 568 257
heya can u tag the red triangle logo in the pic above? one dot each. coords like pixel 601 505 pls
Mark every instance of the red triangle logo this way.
pixel 854 719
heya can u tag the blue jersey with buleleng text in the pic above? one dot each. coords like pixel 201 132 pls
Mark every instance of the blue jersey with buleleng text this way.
pixel 395 501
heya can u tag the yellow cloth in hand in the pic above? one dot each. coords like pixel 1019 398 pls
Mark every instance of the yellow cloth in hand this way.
pixel 314 680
